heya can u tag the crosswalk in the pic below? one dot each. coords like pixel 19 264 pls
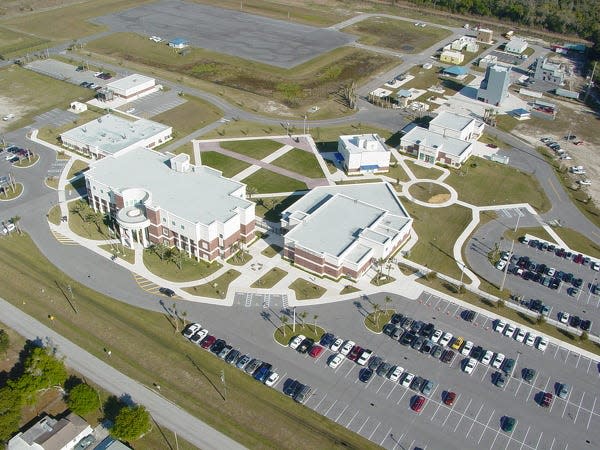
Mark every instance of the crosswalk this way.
pixel 145 284
pixel 63 239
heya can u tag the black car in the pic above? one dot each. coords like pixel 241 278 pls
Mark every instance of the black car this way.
pixel 499 379
pixel 577 282
pixel 218 346
pixel 406 323
pixel 575 321
pixel 417 383
pixel 365 374
pixel 417 326
pixel 585 325
pixel 327 339
pixel 396 318
pixel 426 347
pixel 447 356
pixel 407 338
pixel 232 356
pixel 166 291
pixel 383 369
pixel 436 351
pixel 290 385
pixel 375 362
pixel 568 277
pixel 389 328
pixel 528 375
pixel 477 352
pixel 305 345
pixel 428 330
pixel 468 315
pixel 417 343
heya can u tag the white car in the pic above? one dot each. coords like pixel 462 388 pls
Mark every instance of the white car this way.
pixel 519 335
pixel 272 379
pixel 336 361
pixel 408 377
pixel 294 343
pixel 551 271
pixel 197 338
pixel 487 358
pixel 437 335
pixel 500 325
pixel 466 348
pixel 564 317
pixel 498 360
pixel 469 365
pixel 530 339
pixel 8 117
pixel 585 182
pixel 364 357
pixel 348 345
pixel 395 375
pixel 8 227
pixel 337 344
pixel 191 330
pixel 542 344
pixel 509 330
pixel 446 338
pixel 595 266
pixel 501 264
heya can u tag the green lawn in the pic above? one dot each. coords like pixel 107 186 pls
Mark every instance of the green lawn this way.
pixel 578 241
pixel 88 230
pixel 271 251
pixel 377 319
pixel 382 280
pixel 190 268
pixel 426 173
pixel 122 252
pixel 438 229
pixel 192 115
pixel 285 333
pixel 25 162
pixel 423 78
pixel 256 148
pixel 300 161
pixel 426 191
pixel 397 34
pixel 77 167
pixel 226 164
pixel 270 279
pixel 349 289
pixel 217 288
pixel 240 258
pixel 54 215
pixel 36 93
pixel 270 208
pixel 305 290
pixel 538 232
pixel 397 172
pixel 13 43
pixel 187 374
pixel 482 182
pixel 266 182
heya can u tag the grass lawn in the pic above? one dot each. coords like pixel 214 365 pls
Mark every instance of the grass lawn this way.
pixel 349 289
pixel 266 182
pixel 52 134
pixel 190 268
pixel 426 173
pixel 185 372
pixel 397 34
pixel 36 93
pixel 578 241
pixel 423 78
pixel 77 167
pixel 506 122
pixel 538 232
pixel 217 288
pixel 438 229
pixel 285 333
pixel 257 148
pixel 226 164
pixel 270 208
pixel 195 113
pixel 270 279
pixel 124 253
pixel 426 191
pixel 382 280
pixel 240 258
pixel 300 161
pixel 482 182
pixel 24 163
pixel 10 194
pixel 397 172
pixel 85 229
pixel 305 290
pixel 54 215
pixel 271 251
pixel 489 139
pixel 13 43
pixel 377 319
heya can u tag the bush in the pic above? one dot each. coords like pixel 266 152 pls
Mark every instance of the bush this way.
pixel 83 399
pixel 131 423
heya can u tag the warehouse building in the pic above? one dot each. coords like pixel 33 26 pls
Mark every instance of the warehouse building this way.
pixel 365 153
pixel 516 46
pixel 133 86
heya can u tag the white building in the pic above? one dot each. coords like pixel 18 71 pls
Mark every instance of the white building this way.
pixel 156 198
pixel 77 107
pixel 432 147
pixel 52 434
pixel 468 43
pixel 516 46
pixel 457 126
pixel 341 231
pixel 487 60
pixel 112 134
pixel 364 153
pixel 135 85
pixel 485 35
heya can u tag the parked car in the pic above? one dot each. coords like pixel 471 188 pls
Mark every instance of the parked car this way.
pixel 252 366
pixel 232 356
pixel 466 348
pixel 546 401
pixel 272 378
pixel 445 339
pixel 207 342
pixel 335 360
pixel 486 359
pixel 395 373
pixel 528 374
pixel 365 374
pixel 305 345
pixel 563 390
pixel 508 424
pixel 447 356
pixel 374 362
pixel 296 341
pixel 242 362
pixel 364 357
pixel 218 346
pixel 383 369
pixel 191 329
pixel 541 343
pixel 336 345
pixel 347 347
pixel 427 387
pixel 315 351
pixel 449 398
pixel 302 393
pixel 418 403
pixel 499 379
pixel 355 353
pixel 224 351
pixel 436 336
pixel 327 339
pixel 498 360
pixel 407 379
pixel 166 291
pixel 199 336
pixel 469 365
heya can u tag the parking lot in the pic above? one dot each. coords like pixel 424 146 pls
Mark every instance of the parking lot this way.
pixel 153 104
pixel 66 72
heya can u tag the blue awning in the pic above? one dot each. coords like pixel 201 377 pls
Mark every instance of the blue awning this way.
pixel 456 70
pixel 370 167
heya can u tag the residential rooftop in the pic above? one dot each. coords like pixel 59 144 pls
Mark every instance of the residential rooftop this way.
pixel 199 195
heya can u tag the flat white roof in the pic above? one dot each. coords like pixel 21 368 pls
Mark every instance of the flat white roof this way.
pixel 129 82
pixel 428 138
pixel 452 121
pixel 112 133
pixel 363 143
pixel 201 195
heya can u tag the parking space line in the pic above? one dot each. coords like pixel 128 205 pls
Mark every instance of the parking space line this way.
pixel 578 359
pixel 362 426
pixel 319 404
pixel 437 303
pixel 589 365
pixel 546 387
pixel 373 432
pixel 332 405
pixel 486 426
pixel 487 368
pixel 402 396
pixel 556 352
pixel 530 391
pixel 382 383
pixel 343 411
pixel 438 408
pixel 552 445
pixel 539 440
pixel 518 387
pixel 395 386
pixel 591 414
pixel 579 408
pixel 524 439
pixel 385 436
pixel 494 441
pixel 463 415
pixel 567 403
pixel 353 417
pixel 348 373
pixel 475 420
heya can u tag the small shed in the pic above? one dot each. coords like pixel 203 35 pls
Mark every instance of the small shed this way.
pixel 178 43
pixel 77 107
pixel 455 71
pixel 520 114
pixel 516 46
pixel 403 96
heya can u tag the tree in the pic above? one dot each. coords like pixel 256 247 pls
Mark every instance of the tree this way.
pixel 160 249
pixel 41 370
pixel 388 300
pixel 284 321
pixel 10 412
pixel 315 317
pixel 15 220
pixel 79 207
pixel 303 316
pixel 131 423
pixel 83 399
pixel 4 342
pixel 376 310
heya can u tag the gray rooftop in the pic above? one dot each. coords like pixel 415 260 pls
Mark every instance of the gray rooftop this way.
pixel 452 121
pixel 111 133
pixel 201 195
pixel 129 82
pixel 364 143
pixel 431 139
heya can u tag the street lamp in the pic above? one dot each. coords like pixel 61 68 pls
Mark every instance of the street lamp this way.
pixel 591 285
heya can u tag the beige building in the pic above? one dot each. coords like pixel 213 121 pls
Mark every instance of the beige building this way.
pixel 452 57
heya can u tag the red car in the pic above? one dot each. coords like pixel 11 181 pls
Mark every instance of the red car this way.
pixel 547 399
pixel 418 403
pixel 315 351
pixel 449 398
pixel 207 342
pixel 355 353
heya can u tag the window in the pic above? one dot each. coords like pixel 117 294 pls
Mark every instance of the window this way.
pixel 172 222
pixel 165 231
pixel 164 220
pixel 205 245
pixel 182 227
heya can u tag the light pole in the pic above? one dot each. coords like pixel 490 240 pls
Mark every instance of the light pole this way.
pixel 510 253
pixel 590 293
pixel 304 128
pixel 294 321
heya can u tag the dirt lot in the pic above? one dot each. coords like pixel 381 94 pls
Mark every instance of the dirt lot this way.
pixel 580 121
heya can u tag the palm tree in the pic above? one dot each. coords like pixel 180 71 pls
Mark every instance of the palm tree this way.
pixel 315 317
pixel 251 191
pixel 284 321
pixel 15 220
pixel 376 310
pixel 78 207
pixel 388 300
pixel 303 316
pixel 184 318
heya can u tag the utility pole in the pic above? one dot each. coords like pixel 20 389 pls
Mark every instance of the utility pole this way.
pixel 591 286
pixel 223 381
pixel 294 321
pixel 510 253
pixel 591 82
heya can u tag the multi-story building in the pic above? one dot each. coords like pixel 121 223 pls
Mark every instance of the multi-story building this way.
pixel 457 126
pixel 432 147
pixel 155 198
pixel 516 46
pixel 364 153
pixel 112 134
pixel 494 87
pixel 341 231
pixel 452 57
pixel 485 35
pixel 546 70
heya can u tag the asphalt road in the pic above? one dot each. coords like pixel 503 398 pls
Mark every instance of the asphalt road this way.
pixel 162 410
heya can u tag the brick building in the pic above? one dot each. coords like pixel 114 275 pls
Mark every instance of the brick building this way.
pixel 154 198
